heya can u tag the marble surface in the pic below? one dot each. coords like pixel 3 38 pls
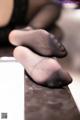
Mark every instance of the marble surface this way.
pixel 48 104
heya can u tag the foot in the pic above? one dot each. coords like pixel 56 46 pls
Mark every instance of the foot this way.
pixel 39 41
pixel 43 70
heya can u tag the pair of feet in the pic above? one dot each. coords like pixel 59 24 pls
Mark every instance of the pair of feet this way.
pixel 35 49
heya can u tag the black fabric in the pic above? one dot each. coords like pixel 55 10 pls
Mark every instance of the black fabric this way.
pixel 4 32
pixel 20 9
pixel 18 19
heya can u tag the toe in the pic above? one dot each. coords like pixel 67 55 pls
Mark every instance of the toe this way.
pixel 58 79
pixel 57 47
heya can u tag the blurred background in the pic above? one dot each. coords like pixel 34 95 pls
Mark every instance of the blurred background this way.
pixel 70 24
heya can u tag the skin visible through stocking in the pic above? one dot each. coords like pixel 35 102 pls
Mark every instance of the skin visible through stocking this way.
pixel 40 41
pixel 39 68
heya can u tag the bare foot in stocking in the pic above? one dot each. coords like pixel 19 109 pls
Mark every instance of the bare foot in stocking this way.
pixel 43 70
pixel 39 41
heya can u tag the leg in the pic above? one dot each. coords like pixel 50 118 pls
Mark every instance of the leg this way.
pixel 6 10
pixel 43 13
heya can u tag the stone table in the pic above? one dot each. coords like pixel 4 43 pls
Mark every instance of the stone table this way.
pixel 48 104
